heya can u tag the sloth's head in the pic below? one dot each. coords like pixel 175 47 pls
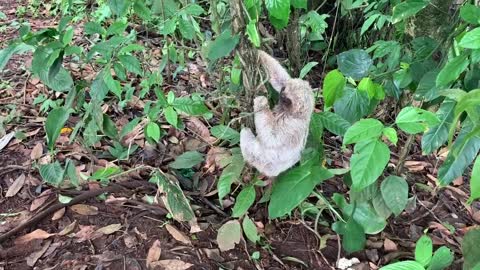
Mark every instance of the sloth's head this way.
pixel 296 95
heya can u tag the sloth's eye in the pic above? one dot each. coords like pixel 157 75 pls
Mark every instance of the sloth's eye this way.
pixel 285 100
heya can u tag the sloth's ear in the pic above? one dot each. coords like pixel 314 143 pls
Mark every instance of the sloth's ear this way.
pixel 278 76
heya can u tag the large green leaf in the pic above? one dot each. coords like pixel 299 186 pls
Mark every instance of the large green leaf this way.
pixel 131 63
pixel 226 133
pixel 438 135
pixel 427 88
pixel 250 230
pixel 99 88
pixel 56 119
pixel 334 123
pixel 363 130
pixel 442 258
pixel 8 52
pixel 294 186
pixel 222 46
pixel 452 70
pixel 462 153
pixel 119 7
pixel 470 250
pixel 278 11
pixel 354 238
pixel 424 250
pixel 353 105
pixel 230 173
pixel 365 215
pixel 368 162
pixel 471 40
pixel 244 200
pixel 470 13
pixel 333 86
pixel 187 160
pixel 407 9
pixel 190 106
pixel 414 120
pixel 171 116
pixel 186 27
pixel 395 193
pixel 475 181
pixel 354 63
pixel 405 265
pixel 52 173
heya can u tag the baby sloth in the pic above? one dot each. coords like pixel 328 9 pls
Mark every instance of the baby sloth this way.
pixel 281 132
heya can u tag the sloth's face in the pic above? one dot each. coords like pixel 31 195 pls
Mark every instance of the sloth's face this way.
pixel 296 97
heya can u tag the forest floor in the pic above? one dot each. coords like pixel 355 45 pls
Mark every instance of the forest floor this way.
pixel 132 231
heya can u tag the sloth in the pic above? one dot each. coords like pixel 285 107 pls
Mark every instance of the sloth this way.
pixel 281 132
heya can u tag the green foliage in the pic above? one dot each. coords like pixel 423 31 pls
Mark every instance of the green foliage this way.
pixel 187 160
pixel 470 250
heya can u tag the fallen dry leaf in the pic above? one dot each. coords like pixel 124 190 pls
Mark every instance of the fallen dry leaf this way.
pixel 198 127
pixel 84 210
pixel 33 257
pixel 37 234
pixel 68 229
pixel 16 186
pixel 109 229
pixel 40 200
pixel 178 235
pixel 85 233
pixel 129 240
pixel 416 166
pixel 37 151
pixel 6 139
pixel 58 214
pixel 154 253
pixel 172 264
pixel 389 245
pixel 458 181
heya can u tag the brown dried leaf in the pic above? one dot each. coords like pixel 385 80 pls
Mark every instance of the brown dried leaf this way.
pixel 37 151
pixel 37 234
pixel 16 186
pixel 199 128
pixel 33 258
pixel 172 264
pixel 40 200
pixel 458 181
pixel 109 229
pixel 85 233
pixel 84 210
pixel 389 245
pixel 154 253
pixel 68 229
pixel 129 240
pixel 217 157
pixel 58 214
pixel 178 235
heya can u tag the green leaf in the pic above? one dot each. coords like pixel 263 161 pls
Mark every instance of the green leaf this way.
pixel 252 33
pixel 67 36
pixel 367 85
pixel 407 9
pixel 244 200
pixel 250 230
pixel 381 207
pixel 391 134
pixel 171 116
pixel 442 258
pixel 56 120
pixel 109 127
pixel 365 215
pixel 299 4
pixel 294 186
pixel 152 131
pixel 437 135
pixel 187 160
pixel 405 265
pixel 99 88
pixel 118 7
pixel 363 130
pixel 91 28
pixel 354 63
pixel 316 129
pixel 194 10
pixel 129 127
pixel 168 26
pixel 470 13
pixel 186 28
pixel 424 250
pixel 223 45
pixel 131 63
pixel 307 69
pixel 427 88
pixel 226 133
pixel 471 40
pixel 105 173
pixel 475 181
pixel 462 153
pixel 368 162
pixel 414 120
pixel 452 70
pixel 354 238
pixel 52 173
pixel 142 10
pixel 333 123
pixel 230 173
pixel 368 22
pixel 333 86
pixel 190 106
pixel 395 193
pixel 470 250
pixel 353 105
pixel 279 9
pixel 229 235
pixel 173 198
pixel 8 52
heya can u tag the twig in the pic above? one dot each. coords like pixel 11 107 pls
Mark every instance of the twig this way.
pixel 403 154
